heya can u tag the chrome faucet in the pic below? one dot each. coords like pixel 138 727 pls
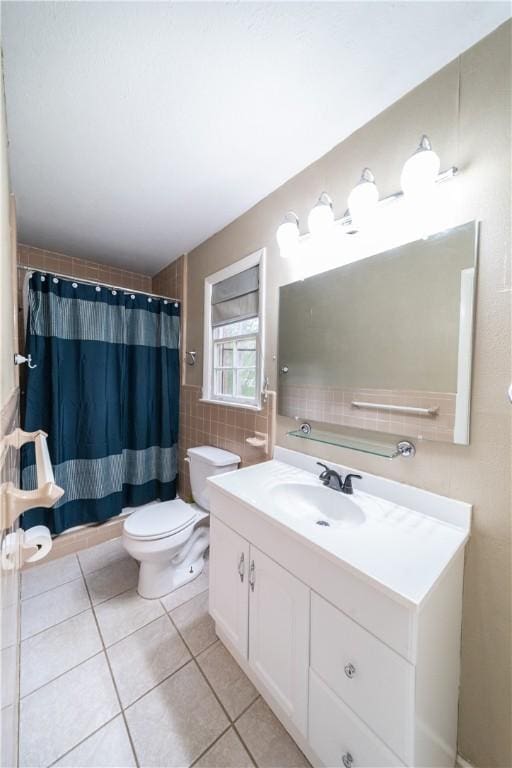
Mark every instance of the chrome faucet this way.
pixel 334 480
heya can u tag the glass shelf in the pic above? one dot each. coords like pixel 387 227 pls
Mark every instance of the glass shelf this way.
pixel 388 446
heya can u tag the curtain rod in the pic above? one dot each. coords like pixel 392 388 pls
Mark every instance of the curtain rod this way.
pixel 97 282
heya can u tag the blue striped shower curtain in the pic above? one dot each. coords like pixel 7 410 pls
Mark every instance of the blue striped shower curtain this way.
pixel 106 390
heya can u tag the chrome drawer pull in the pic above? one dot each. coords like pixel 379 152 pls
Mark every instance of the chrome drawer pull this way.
pixel 350 670
pixel 241 567
pixel 348 760
pixel 252 577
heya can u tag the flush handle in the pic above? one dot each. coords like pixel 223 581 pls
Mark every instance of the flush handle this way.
pixel 241 567
pixel 347 760
pixel 252 577
pixel 350 670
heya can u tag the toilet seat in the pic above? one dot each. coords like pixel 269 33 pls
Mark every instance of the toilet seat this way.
pixel 157 521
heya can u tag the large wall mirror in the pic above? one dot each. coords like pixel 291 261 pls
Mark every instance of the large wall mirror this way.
pixel 384 343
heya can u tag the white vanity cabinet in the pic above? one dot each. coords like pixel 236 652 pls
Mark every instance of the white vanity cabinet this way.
pixel 229 594
pixel 262 611
pixel 361 666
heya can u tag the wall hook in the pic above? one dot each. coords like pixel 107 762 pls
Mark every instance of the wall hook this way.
pixel 192 356
pixel 19 360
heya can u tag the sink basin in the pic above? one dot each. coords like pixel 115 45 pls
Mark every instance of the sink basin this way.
pixel 322 505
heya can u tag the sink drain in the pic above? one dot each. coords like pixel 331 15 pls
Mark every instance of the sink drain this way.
pixel 323 522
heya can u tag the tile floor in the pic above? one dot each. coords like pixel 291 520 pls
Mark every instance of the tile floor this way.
pixel 109 680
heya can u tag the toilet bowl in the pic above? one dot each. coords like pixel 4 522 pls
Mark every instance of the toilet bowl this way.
pixel 165 537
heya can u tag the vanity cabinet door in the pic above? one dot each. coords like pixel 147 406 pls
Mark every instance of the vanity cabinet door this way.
pixel 229 595
pixel 279 635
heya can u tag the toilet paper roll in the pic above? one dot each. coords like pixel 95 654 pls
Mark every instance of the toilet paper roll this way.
pixel 39 536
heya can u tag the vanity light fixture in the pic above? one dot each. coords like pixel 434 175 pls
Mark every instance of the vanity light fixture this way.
pixel 420 174
pixel 321 217
pixel 420 171
pixel 288 234
pixel 363 199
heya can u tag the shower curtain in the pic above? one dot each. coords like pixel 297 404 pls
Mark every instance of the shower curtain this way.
pixel 106 390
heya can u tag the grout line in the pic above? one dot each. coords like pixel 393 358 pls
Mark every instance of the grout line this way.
pixel 169 611
pixel 50 589
pixel 199 667
pixel 113 678
pixel 61 674
pixel 57 623
pixel 83 740
pixel 219 737
pixel 238 732
pixel 230 719
pixel 44 591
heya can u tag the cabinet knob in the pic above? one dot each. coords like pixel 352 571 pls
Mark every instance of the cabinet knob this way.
pixel 350 670
pixel 347 760
pixel 241 567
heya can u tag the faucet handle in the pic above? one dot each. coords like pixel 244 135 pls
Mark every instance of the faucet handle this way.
pixel 326 469
pixel 347 485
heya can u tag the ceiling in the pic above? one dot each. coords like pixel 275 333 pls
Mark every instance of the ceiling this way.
pixel 139 129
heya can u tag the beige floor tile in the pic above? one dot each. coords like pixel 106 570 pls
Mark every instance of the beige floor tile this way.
pixel 112 580
pixel 145 658
pixel 49 608
pixel 8 736
pixel 190 590
pixel 40 578
pixel 8 676
pixel 57 649
pixel 175 722
pixel 231 685
pixel 122 615
pixel 101 555
pixel 107 748
pixel 227 752
pixel 58 716
pixel 267 740
pixel 195 623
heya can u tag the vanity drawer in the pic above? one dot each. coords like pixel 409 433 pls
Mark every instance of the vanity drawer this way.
pixel 373 680
pixel 338 737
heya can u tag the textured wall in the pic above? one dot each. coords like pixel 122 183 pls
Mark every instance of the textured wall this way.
pixel 465 109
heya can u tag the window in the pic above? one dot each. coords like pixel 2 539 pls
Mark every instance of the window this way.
pixel 233 333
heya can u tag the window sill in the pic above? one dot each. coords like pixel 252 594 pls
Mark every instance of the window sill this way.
pixel 231 405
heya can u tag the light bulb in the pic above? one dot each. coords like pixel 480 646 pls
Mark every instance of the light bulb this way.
pixel 287 235
pixel 363 199
pixel 321 217
pixel 420 171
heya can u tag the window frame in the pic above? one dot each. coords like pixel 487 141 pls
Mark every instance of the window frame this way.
pixel 254 259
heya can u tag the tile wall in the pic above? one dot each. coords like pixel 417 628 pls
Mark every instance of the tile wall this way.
pixel 334 406
pixel 224 427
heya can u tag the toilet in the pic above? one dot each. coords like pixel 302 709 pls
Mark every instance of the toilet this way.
pixel 165 536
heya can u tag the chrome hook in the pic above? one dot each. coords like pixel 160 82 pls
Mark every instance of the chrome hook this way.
pixel 19 360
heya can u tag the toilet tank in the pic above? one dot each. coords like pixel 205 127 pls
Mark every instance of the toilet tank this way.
pixel 205 461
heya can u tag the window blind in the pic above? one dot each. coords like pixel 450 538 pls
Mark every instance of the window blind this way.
pixel 236 298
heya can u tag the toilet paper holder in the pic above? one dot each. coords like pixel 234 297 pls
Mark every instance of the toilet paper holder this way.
pixel 20 547
pixel 47 492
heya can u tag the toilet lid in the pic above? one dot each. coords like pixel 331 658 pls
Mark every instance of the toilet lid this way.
pixel 155 521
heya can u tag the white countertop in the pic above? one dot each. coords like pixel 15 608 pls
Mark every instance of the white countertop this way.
pixel 402 551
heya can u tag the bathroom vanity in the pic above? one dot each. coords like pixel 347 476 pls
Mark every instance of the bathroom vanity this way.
pixel 344 610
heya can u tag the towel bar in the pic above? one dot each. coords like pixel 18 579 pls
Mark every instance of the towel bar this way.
pixel 46 493
pixel 411 409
